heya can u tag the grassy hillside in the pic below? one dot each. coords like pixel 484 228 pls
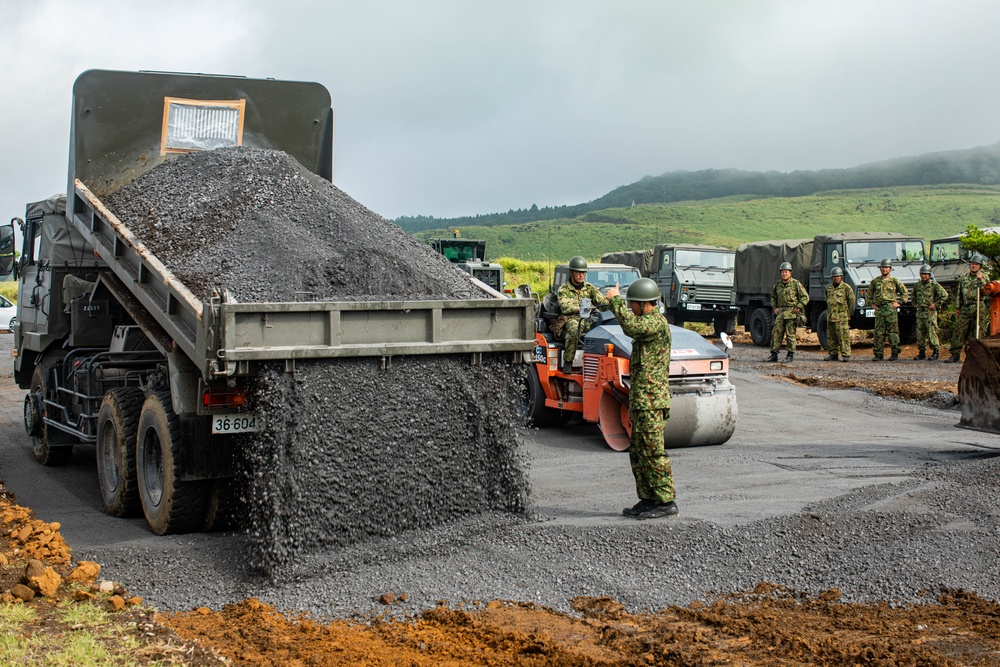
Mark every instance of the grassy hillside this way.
pixel 928 212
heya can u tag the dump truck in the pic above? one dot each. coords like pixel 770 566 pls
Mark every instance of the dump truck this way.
pixel 858 254
pixel 703 408
pixel 470 256
pixel 116 351
pixel 696 281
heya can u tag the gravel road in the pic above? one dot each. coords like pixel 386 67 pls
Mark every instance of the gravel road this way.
pixel 883 499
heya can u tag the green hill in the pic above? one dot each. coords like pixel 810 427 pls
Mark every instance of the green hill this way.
pixel 929 212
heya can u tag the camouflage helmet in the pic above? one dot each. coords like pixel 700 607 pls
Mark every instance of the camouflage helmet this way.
pixel 837 271
pixel 977 259
pixel 578 264
pixel 926 268
pixel 886 262
pixel 785 266
pixel 643 289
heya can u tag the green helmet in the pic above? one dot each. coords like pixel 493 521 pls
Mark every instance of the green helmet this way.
pixel 977 259
pixel 837 271
pixel 578 264
pixel 926 268
pixel 785 266
pixel 886 262
pixel 643 289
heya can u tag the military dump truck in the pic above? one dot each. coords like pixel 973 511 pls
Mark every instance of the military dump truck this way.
pixel 116 351
pixel 858 254
pixel 470 256
pixel 696 281
pixel 949 260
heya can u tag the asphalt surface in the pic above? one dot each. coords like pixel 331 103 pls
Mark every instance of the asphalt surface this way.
pixel 817 489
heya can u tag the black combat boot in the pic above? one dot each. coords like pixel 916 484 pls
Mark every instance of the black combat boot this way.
pixel 790 357
pixel 832 357
pixel 955 356
pixel 639 508
pixel 773 357
pixel 845 358
pixel 933 357
pixel 921 355
pixel 894 357
pixel 659 510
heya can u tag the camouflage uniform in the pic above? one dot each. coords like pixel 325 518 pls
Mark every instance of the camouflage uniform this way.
pixel 926 295
pixel 968 292
pixel 649 401
pixel 883 292
pixel 569 320
pixel 839 305
pixel 787 296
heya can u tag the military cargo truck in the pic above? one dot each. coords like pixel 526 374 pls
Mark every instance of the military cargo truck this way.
pixel 950 261
pixel 696 281
pixel 858 254
pixel 470 256
pixel 116 351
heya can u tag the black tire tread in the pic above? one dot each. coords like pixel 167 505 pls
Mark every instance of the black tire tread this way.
pixel 127 402
pixel 51 447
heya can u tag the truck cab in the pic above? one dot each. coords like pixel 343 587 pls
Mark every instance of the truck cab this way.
pixel 470 256
pixel 949 260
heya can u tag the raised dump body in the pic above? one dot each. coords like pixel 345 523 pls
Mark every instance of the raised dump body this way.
pixel 115 349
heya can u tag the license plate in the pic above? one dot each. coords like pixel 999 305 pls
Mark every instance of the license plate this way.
pixel 238 423
pixel 694 306
pixel 870 313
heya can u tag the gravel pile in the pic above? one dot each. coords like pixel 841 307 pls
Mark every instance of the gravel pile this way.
pixel 353 449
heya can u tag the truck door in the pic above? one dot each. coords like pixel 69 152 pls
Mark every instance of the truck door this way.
pixel 665 278
pixel 833 256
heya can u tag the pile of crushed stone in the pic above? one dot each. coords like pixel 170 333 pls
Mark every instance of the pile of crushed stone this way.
pixel 353 448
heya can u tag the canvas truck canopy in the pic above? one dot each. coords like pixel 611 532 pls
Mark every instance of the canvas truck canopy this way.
pixel 757 263
pixel 640 259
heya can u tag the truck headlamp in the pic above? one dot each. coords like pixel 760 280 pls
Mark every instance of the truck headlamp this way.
pixel 861 302
pixel 684 297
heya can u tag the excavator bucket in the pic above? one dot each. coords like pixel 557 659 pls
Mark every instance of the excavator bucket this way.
pixel 979 386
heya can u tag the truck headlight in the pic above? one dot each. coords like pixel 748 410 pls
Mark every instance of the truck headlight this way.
pixel 684 297
pixel 716 365
pixel 861 302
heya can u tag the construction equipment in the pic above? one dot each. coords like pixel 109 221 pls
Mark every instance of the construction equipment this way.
pixel 116 351
pixel 703 408
pixel 470 256
pixel 858 254
pixel 979 380
pixel 695 281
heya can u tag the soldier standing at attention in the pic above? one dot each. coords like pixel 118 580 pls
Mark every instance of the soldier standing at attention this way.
pixel 839 304
pixel 969 293
pixel 788 298
pixel 929 298
pixel 649 398
pixel 887 292
pixel 572 292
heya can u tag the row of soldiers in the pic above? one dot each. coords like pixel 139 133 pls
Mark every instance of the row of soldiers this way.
pixel 886 293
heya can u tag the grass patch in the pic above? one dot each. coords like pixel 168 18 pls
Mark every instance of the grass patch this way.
pixel 9 290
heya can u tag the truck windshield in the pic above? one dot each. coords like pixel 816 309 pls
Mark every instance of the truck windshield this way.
pixel 608 277
pixel 942 251
pixel 858 252
pixel 464 251
pixel 705 258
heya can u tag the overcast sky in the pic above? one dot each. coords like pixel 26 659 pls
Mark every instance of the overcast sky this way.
pixel 457 107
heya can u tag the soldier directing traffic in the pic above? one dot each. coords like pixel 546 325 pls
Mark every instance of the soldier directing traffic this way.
pixel 572 292
pixel 648 399
pixel 839 305
pixel 887 292
pixel 929 298
pixel 969 302
pixel 789 299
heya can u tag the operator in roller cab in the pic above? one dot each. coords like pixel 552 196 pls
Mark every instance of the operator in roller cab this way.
pixel 648 398
pixel 572 292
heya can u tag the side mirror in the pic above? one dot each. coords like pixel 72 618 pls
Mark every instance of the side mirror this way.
pixel 727 341
pixel 7 249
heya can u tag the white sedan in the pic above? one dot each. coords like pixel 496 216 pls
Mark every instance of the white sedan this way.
pixel 7 312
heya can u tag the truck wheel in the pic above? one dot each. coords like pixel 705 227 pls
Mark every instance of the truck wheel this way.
pixel 533 407
pixel 170 505
pixel 761 322
pixel 116 471
pixel 821 330
pixel 726 325
pixel 51 447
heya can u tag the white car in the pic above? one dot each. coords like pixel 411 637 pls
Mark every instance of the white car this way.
pixel 7 312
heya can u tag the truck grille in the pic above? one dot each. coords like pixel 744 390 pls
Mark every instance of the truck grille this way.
pixel 491 278
pixel 713 294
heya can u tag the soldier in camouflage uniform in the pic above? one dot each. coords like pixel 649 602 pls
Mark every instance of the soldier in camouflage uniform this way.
pixel 572 292
pixel 929 298
pixel 839 305
pixel 649 398
pixel 789 299
pixel 886 293
pixel 970 297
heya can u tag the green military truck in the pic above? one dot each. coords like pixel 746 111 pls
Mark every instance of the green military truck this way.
pixel 470 256
pixel 696 281
pixel 950 261
pixel 858 254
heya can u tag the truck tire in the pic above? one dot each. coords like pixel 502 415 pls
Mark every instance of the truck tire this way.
pixel 908 331
pixel 726 325
pixel 534 410
pixel 169 504
pixel 50 446
pixel 761 323
pixel 821 324
pixel 116 472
